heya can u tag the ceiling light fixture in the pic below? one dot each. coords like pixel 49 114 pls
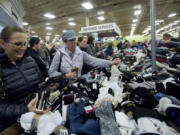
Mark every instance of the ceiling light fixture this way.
pixel 57 35
pixel 48 24
pixel 64 31
pixel 134 25
pixel 25 23
pixel 87 5
pixel 49 28
pixel 172 15
pixel 50 16
pixel 48 34
pixel 33 32
pixel 101 18
pixel 159 21
pixel 135 20
pixel 71 19
pixel 72 23
pixel 100 12
pixel 178 21
pixel 137 12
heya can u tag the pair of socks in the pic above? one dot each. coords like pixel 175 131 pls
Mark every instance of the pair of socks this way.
pixel 108 125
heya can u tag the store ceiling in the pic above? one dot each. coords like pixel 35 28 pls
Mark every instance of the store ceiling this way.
pixel 119 11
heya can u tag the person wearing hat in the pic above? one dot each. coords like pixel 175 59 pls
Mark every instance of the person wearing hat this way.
pixel 69 60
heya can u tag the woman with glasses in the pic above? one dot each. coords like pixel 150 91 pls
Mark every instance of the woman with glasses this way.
pixel 70 59
pixel 19 76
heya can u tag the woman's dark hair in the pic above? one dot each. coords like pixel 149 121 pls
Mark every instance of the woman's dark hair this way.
pixel 80 39
pixel 166 35
pixel 90 40
pixel 8 31
pixel 33 41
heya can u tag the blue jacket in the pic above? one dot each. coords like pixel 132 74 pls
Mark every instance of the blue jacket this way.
pixel 18 81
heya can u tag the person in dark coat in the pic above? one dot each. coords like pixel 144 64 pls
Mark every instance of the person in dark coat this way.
pixel 90 49
pixel 109 51
pixel 33 52
pixel 82 42
pixel 53 52
pixel 20 76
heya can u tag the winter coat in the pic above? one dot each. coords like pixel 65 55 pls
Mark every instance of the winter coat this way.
pixel 17 82
pixel 91 49
pixel 78 61
pixel 41 63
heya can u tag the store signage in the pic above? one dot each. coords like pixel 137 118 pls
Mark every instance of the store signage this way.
pixel 101 27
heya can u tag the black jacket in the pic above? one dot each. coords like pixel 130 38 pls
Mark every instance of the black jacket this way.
pixel 86 68
pixel 17 82
pixel 41 63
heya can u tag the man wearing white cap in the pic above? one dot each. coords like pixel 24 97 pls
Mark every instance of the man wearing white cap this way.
pixel 70 57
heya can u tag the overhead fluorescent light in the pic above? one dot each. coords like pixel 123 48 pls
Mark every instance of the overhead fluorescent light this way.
pixel 87 5
pixel 101 18
pixel 57 35
pixel 177 21
pixel 72 23
pixel 33 32
pixel 172 15
pixel 134 25
pixel 172 24
pixel 71 19
pixel 50 16
pixel 137 12
pixel 137 7
pixel 159 21
pixel 49 28
pixel 25 23
pixel 48 24
pixel 135 20
pixel 100 12
pixel 35 36
pixel 64 31
pixel 48 34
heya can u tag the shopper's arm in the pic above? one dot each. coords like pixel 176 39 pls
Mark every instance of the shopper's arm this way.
pixel 171 44
pixel 95 62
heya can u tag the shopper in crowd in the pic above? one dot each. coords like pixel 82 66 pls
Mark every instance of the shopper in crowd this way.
pixel 82 42
pixel 126 44
pixel 20 76
pixel 45 55
pixel 139 45
pixel 70 59
pixel 119 45
pixel 109 51
pixel 134 44
pixel 33 52
pixel 90 46
pixel 97 47
pixel 166 42
pixel 53 52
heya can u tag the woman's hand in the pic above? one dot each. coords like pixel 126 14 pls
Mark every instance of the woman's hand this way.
pixel 32 107
pixel 115 62
pixel 71 75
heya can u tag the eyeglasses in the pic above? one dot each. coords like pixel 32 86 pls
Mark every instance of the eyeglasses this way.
pixel 19 44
